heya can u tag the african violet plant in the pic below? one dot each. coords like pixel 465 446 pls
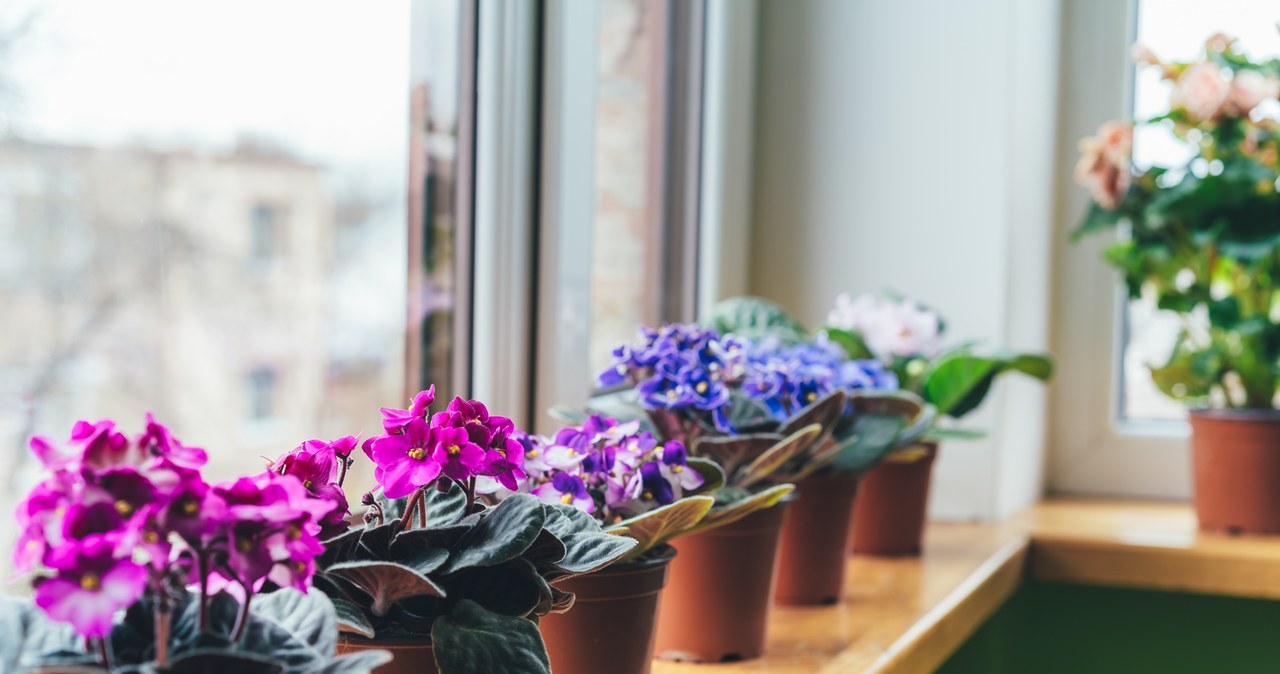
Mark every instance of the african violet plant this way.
pixel 433 563
pixel 909 339
pixel 122 527
pixel 1199 236
pixel 764 419
pixel 623 477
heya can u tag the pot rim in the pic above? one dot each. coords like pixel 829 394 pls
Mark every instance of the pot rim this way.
pixel 665 554
pixel 1256 414
pixel 357 640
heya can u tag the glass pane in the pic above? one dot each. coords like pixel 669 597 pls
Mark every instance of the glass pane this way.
pixel 202 214
pixel 1175 30
pixel 625 284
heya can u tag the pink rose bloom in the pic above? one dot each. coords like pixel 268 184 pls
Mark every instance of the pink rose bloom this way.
pixel 1103 168
pixel 1202 90
pixel 1249 88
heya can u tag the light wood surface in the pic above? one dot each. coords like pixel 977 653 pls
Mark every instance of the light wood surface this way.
pixel 907 615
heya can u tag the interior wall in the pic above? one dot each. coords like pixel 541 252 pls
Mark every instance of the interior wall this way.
pixel 908 146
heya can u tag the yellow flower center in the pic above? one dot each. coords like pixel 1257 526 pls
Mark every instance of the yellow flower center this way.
pixel 190 507
pixel 701 387
pixel 244 545
pixel 811 396
pixel 294 531
pixel 566 499
pixel 124 508
pixel 531 454
pixel 150 537
pixel 671 394
pixel 648 496
pixel 677 469
pixel 306 483
pixel 90 582
pixel 453 450
pixel 417 454
pixel 572 452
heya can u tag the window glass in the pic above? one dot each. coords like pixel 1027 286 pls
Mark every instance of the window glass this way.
pixel 202 214
pixel 1175 30
pixel 630 95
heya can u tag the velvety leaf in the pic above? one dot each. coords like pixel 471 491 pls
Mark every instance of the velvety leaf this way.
pixel 311 618
pixel 740 508
pixel 732 451
pixel 340 548
pixel 561 601
pixel 774 458
pixel 824 413
pixel 874 436
pixel 748 415
pixel 660 525
pixel 444 508
pixel 472 640
pixel 363 662
pixel 712 474
pixel 512 588
pixel 385 582
pixel 562 520
pixel 375 541
pixel 547 549
pixel 754 318
pixel 918 427
pixel 587 551
pixel 222 662
pixel 502 534
pixel 414 552
pixel 352 618
pixel 24 629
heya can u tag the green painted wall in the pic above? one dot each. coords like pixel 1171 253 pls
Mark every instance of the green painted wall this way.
pixel 1052 628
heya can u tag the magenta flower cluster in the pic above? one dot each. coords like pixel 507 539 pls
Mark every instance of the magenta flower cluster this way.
pixel 680 367
pixel 613 470
pixel 461 442
pixel 119 517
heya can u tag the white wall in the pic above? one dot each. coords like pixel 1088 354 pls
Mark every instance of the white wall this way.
pixel 909 145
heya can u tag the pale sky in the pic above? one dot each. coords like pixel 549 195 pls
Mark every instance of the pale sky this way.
pixel 328 78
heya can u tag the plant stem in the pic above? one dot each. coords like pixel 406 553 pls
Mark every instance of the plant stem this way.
pixel 342 476
pixel 242 620
pixel 416 504
pixel 162 629
pixel 471 495
pixel 202 563
pixel 102 652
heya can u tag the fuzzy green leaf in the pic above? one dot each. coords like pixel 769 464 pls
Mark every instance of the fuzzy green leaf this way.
pixel 754 318
pixel 658 526
pixel 740 508
pixel 777 456
pixel 385 582
pixel 503 533
pixel 473 640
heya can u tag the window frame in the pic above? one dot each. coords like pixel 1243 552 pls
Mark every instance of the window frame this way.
pixel 1092 449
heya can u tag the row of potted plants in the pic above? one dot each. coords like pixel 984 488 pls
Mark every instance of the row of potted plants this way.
pixel 485 548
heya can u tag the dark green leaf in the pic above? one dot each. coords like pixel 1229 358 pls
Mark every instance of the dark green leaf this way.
pixel 503 533
pixel 823 413
pixel 309 617
pixel 959 382
pixel 732 451
pixel 352 618
pixel 851 342
pixel 874 435
pixel 658 526
pixel 472 640
pixel 712 474
pixel 764 466
pixel 24 629
pixel 385 582
pixel 740 508
pixel 222 662
pixel 587 551
pixel 754 318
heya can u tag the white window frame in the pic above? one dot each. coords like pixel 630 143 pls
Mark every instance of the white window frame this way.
pixel 1092 450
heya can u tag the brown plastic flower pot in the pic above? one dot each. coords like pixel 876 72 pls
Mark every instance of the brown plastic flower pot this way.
pixel 813 554
pixel 893 499
pixel 720 589
pixel 407 657
pixel 1236 454
pixel 613 620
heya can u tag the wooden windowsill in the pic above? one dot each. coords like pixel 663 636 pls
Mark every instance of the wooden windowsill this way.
pixel 908 615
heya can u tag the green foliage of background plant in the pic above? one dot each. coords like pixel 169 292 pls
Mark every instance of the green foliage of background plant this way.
pixel 1202 239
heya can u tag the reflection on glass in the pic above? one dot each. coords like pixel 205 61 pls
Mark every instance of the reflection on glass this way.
pixel 627 241
pixel 202 214
pixel 1175 30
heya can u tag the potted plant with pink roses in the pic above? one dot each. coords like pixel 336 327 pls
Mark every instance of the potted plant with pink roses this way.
pixel 1199 238
pixel 446 578
pixel 122 526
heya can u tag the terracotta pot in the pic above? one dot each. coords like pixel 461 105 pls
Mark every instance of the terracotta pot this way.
pixel 1236 455
pixel 720 589
pixel 613 620
pixel 408 657
pixel 813 554
pixel 893 499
